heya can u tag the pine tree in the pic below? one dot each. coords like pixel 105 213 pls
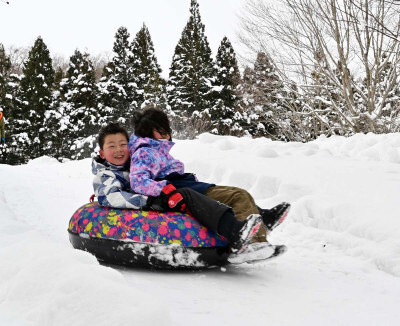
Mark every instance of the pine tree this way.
pixel 117 86
pixel 59 75
pixel 55 120
pixel 17 139
pixel 5 67
pixel 36 99
pixel 225 115
pixel 150 90
pixel 191 74
pixel 5 101
pixel 106 94
pixel 263 94
pixel 79 107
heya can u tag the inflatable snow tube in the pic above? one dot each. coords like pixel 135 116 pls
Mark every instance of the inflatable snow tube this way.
pixel 146 238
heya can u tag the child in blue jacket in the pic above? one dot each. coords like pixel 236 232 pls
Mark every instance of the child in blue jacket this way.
pixel 112 188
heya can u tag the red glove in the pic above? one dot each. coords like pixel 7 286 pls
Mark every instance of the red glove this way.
pixel 169 200
pixel 174 198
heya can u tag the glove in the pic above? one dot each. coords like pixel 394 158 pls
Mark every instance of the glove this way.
pixel 169 200
pixel 3 140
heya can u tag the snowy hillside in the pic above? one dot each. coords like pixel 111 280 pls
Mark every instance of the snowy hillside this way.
pixel 343 235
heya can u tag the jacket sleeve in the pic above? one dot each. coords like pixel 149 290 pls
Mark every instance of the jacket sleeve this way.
pixel 109 192
pixel 144 169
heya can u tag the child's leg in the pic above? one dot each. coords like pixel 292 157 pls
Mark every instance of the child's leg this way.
pixel 242 203
pixel 221 219
pixel 205 209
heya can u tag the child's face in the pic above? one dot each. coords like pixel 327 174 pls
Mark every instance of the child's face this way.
pixel 157 135
pixel 115 149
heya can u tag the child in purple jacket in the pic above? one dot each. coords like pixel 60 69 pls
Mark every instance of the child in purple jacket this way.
pixel 112 187
pixel 153 169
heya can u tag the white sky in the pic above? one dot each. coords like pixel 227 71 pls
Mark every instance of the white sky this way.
pixel 90 25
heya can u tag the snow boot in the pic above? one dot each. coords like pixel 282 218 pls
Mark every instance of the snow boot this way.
pixel 274 216
pixel 243 237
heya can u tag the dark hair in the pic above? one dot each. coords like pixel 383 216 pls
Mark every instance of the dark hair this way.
pixel 110 129
pixel 146 121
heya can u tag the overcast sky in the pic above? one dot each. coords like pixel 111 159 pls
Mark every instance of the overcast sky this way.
pixel 90 25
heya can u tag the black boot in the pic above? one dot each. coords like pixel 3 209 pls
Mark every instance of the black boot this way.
pixel 244 235
pixel 238 233
pixel 274 216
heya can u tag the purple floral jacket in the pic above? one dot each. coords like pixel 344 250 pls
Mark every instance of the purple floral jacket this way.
pixel 150 160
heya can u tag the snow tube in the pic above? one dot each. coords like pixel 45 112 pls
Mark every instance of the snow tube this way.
pixel 146 238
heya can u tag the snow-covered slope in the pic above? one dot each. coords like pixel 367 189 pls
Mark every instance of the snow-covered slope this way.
pixel 343 234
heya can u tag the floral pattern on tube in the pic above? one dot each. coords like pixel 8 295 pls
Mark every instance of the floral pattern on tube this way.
pixel 143 226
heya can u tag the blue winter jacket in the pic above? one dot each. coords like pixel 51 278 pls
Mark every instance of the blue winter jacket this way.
pixel 112 188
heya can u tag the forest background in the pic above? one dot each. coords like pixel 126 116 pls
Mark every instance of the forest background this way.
pixel 328 67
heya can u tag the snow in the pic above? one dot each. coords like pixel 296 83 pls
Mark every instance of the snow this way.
pixel 343 236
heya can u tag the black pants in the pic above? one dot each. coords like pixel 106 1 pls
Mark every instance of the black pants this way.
pixel 204 209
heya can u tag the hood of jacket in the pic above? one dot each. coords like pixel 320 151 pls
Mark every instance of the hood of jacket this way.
pixel 99 164
pixel 135 142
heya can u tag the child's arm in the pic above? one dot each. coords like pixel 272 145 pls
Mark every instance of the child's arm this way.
pixel 109 192
pixel 143 171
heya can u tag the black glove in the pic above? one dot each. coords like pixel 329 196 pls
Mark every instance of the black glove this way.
pixel 155 203
pixel 169 200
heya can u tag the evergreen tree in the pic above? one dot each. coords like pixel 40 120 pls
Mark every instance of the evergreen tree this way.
pixel 36 99
pixel 224 114
pixel 55 119
pixel 263 93
pixel 192 74
pixel 5 67
pixel 79 107
pixel 5 101
pixel 58 77
pixel 117 86
pixel 150 88
pixel 107 92
pixel 16 137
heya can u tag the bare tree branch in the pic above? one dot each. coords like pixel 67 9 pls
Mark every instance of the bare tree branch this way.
pixel 352 45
